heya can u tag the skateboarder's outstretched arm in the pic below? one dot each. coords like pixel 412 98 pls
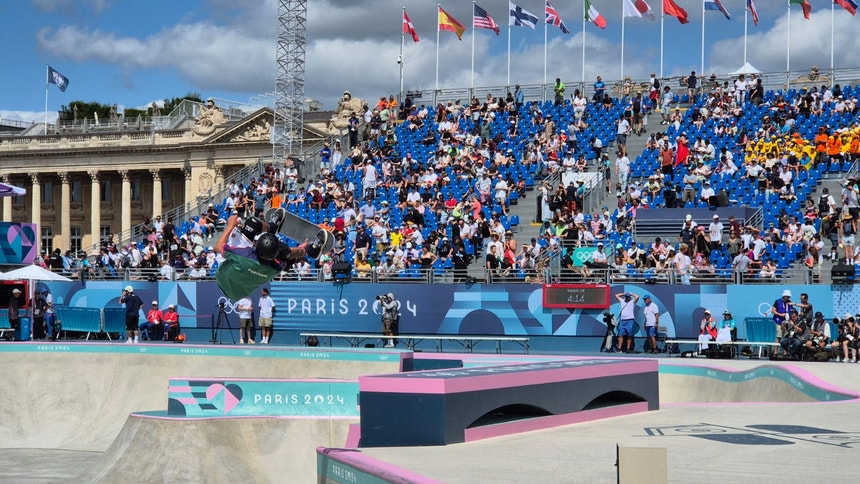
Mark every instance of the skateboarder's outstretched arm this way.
pixel 232 223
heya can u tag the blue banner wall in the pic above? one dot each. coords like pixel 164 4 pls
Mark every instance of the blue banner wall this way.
pixel 496 309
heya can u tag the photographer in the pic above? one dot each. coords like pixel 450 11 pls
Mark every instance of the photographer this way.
pixel 846 343
pixel 390 317
pixel 609 339
pixel 818 334
pixel 793 331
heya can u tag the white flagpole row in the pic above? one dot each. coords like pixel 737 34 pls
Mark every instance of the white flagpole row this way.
pixel 544 52
pixel 472 81
pixel 509 55
pixel 622 47
pixel 662 21
pixel 402 60
pixel 438 6
pixel 746 11
pixel 584 24
pixel 788 42
pixel 832 45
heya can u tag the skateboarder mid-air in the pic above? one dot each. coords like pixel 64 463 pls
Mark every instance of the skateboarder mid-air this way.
pixel 253 254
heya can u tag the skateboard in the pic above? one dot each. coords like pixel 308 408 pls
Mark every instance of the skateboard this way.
pixel 320 241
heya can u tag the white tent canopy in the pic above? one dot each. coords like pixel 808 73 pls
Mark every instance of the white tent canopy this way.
pixel 11 191
pixel 746 69
pixel 32 273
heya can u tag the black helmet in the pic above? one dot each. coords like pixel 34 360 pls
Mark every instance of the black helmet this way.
pixel 252 227
pixel 268 246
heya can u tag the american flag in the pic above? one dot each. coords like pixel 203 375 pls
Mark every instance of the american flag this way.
pixel 482 20
pixel 753 11
pixel 552 17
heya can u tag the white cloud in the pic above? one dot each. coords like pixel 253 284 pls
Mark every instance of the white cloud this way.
pixel 27 116
pixel 51 5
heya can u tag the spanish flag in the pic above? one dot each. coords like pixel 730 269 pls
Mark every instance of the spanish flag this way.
pixel 447 22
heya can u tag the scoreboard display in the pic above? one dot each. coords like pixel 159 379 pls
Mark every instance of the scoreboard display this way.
pixel 574 296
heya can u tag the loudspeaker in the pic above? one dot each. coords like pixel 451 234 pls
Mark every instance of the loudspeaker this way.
pixel 341 271
pixel 842 274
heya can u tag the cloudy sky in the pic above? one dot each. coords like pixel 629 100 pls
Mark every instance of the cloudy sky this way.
pixel 134 52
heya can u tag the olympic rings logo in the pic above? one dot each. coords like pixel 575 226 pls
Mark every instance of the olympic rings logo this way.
pixel 583 255
pixel 229 306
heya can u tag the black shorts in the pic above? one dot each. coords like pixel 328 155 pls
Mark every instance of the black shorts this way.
pixel 131 322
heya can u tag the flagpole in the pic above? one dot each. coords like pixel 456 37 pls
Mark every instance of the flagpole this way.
pixel 703 41
pixel 46 99
pixel 788 43
pixel 584 25
pixel 622 47
pixel 472 82
pixel 402 39
pixel 832 10
pixel 544 50
pixel 662 21
pixel 746 11
pixel 438 8
pixel 509 54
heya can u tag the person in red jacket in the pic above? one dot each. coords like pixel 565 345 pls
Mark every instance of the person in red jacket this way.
pixel 171 323
pixel 152 327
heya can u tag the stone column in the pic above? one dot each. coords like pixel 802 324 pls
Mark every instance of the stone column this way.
pixel 156 191
pixel 64 240
pixel 125 207
pixel 7 202
pixel 95 207
pixel 188 197
pixel 36 193
pixel 219 175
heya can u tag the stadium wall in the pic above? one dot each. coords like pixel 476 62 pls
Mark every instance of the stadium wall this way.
pixel 491 309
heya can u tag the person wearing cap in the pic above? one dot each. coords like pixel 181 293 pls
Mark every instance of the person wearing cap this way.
pixel 171 323
pixel 652 320
pixel 37 310
pixel 245 309
pixel 782 309
pixel 818 334
pixel 793 333
pixel 715 233
pixel 707 194
pixel 626 320
pixel 133 304
pixel 707 330
pixel 847 231
pixel 151 328
pixel 726 328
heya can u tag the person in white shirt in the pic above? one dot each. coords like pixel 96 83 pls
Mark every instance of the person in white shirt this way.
pixel 502 193
pixel 246 326
pixel 652 319
pixel 715 233
pixel 622 169
pixel 267 314
pixel 740 89
pixel 707 195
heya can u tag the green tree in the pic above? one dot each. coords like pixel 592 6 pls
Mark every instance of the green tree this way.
pixel 170 104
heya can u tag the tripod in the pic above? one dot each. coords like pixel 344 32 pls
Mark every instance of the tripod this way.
pixel 222 321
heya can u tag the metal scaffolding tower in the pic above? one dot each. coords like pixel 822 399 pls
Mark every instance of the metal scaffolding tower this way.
pixel 290 81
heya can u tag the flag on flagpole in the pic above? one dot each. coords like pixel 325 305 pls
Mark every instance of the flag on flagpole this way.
pixel 753 11
pixel 807 8
pixel 521 17
pixel 672 9
pixel 554 19
pixel 849 5
pixel 638 8
pixel 592 15
pixel 718 6
pixel 408 28
pixel 449 23
pixel 482 20
pixel 60 80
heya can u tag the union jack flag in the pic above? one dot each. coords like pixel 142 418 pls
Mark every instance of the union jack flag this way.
pixel 553 18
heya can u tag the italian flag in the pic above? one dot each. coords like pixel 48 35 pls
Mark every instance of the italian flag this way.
pixel 592 15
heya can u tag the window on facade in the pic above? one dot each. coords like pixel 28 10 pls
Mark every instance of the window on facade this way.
pixel 75 239
pixel 48 239
pixel 48 192
pixel 136 184
pixel 105 191
pixel 77 191
pixel 166 189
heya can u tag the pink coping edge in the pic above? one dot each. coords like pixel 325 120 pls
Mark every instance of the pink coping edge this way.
pixel 805 375
pixel 178 389
pixel 539 423
pixel 264 380
pixel 376 467
pixel 237 417
pixel 431 385
pixel 353 436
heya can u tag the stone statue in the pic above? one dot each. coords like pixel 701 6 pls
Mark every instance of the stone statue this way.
pixel 346 107
pixel 156 111
pixel 210 117
pixel 814 75
pixel 256 132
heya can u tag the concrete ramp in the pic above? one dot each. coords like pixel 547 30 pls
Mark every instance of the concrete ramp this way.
pixel 158 449
pixel 78 396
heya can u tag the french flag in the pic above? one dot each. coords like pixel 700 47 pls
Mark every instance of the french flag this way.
pixel 849 5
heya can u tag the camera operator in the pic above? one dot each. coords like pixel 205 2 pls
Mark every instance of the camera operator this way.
pixel 818 334
pixel 390 317
pixel 793 332
pixel 846 343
